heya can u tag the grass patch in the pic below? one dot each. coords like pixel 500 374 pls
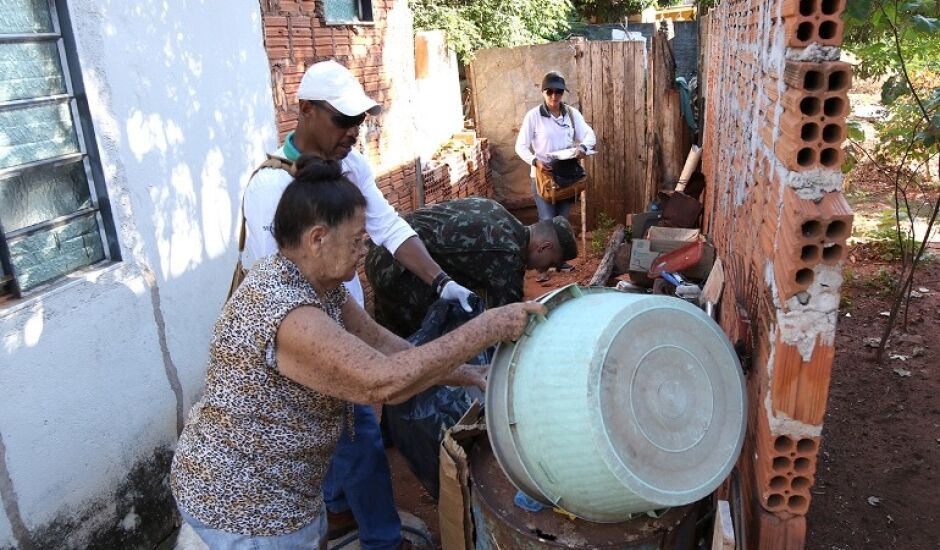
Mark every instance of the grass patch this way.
pixel 601 234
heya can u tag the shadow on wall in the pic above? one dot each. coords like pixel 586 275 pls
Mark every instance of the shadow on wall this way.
pixel 187 125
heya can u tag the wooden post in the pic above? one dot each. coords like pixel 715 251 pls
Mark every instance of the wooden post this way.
pixel 584 249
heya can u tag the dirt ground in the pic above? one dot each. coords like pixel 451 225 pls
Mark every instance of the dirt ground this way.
pixel 876 483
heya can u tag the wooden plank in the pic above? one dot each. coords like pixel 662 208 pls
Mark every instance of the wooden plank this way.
pixel 595 185
pixel 723 532
pixel 633 77
pixel 609 200
pixel 640 115
pixel 620 192
pixel 586 98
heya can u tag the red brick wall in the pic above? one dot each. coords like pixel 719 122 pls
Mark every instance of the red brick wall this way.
pixel 774 124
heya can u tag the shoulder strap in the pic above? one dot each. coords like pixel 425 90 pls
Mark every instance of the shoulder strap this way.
pixel 275 162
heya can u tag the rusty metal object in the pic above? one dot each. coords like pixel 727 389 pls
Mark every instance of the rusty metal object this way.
pixel 500 524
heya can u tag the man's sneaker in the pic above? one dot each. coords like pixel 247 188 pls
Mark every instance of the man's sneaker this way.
pixel 339 524
pixel 565 267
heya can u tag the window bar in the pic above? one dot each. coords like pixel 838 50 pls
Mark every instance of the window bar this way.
pixel 33 101
pixel 29 37
pixel 51 161
pixel 55 222
pixel 69 51
pixel 8 285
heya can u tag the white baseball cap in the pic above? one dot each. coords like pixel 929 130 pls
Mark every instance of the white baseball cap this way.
pixel 331 82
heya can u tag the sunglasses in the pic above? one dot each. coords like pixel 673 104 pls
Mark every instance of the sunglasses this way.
pixel 554 92
pixel 339 119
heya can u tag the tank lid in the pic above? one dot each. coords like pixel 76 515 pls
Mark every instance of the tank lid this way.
pixel 671 402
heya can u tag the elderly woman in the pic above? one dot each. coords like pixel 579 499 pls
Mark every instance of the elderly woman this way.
pixel 552 126
pixel 289 356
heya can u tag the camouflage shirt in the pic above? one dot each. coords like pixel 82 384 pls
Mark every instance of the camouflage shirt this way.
pixel 476 241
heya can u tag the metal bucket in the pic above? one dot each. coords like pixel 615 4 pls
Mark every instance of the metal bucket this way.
pixel 616 404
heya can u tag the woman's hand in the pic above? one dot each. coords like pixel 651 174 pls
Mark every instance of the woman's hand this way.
pixel 467 375
pixel 510 320
pixel 542 166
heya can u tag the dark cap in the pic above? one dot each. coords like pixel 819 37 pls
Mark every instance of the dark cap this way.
pixel 566 241
pixel 553 81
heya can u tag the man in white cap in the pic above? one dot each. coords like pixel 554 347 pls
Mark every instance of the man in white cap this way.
pixel 332 106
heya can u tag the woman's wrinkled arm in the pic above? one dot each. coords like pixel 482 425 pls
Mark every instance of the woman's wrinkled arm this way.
pixel 314 351
pixel 359 323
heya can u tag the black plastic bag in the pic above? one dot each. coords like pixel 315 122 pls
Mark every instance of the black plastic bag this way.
pixel 417 426
pixel 567 172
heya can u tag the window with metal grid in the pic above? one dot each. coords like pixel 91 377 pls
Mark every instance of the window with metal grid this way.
pixel 347 11
pixel 54 214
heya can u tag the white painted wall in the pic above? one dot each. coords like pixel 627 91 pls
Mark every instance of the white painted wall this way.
pixel 439 109
pixel 181 100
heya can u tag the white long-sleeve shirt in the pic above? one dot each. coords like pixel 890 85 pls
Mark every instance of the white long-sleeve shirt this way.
pixel 541 133
pixel 383 224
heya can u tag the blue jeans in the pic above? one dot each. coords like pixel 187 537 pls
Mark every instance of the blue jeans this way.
pixel 360 480
pixel 312 536
pixel 548 210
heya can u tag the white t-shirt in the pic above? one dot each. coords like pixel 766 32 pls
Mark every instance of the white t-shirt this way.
pixel 541 134
pixel 383 224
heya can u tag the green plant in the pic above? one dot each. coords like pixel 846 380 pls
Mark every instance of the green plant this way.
pixel 610 11
pixel 900 39
pixel 601 234
pixel 887 242
pixel 474 24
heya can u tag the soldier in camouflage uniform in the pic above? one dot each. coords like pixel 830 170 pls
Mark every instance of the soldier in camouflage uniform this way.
pixel 479 244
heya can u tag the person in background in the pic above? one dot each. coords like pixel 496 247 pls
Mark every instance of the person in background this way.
pixel 552 126
pixel 331 108
pixel 480 244
pixel 290 354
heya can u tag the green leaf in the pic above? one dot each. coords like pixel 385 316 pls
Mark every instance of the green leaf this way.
pixel 925 24
pixel 858 9
pixel 892 89
pixel 856 132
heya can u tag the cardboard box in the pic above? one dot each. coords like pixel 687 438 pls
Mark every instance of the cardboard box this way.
pixel 453 505
pixel 645 251
pixel 657 233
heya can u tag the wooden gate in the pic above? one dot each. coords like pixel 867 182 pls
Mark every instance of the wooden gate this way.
pixel 612 81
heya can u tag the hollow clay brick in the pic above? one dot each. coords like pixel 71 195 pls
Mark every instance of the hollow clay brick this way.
pixel 791 278
pixel 828 76
pixel 800 388
pixel 838 217
pixel 774 533
pixel 810 8
pixel 784 469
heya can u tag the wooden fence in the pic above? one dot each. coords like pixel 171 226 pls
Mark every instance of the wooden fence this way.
pixel 612 80
pixel 630 102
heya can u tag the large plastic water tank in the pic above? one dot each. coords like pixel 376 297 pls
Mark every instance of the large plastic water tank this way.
pixel 616 403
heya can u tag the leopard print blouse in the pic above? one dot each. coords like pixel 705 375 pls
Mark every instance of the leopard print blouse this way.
pixel 257 445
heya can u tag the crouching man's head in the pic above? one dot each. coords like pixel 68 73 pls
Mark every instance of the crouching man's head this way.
pixel 551 242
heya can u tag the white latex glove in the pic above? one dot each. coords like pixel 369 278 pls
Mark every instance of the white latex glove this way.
pixel 453 291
